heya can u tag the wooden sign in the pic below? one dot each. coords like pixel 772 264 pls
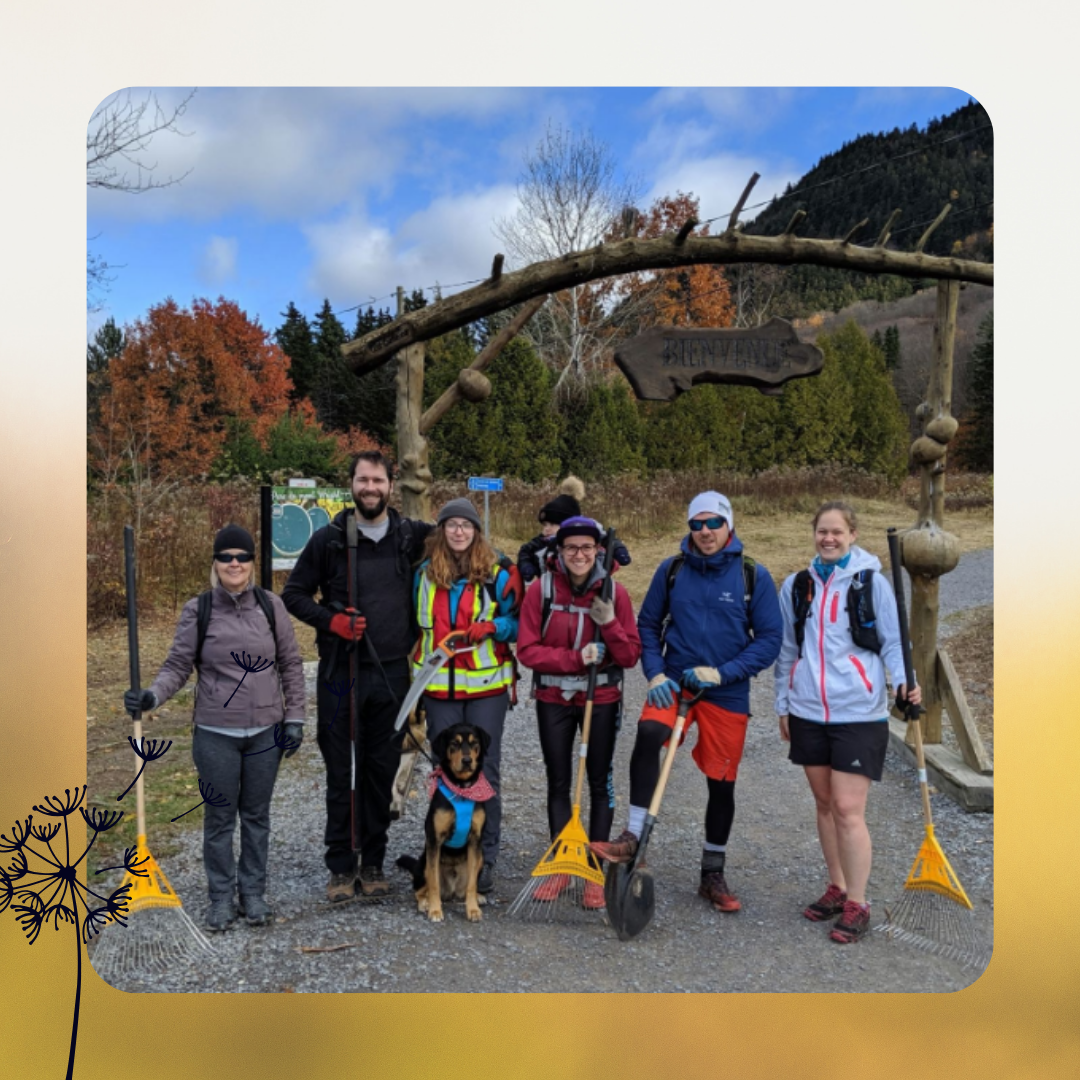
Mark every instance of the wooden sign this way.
pixel 665 362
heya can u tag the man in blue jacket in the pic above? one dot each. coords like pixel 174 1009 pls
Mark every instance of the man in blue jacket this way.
pixel 711 618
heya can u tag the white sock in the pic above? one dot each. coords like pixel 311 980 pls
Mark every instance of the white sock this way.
pixel 715 847
pixel 637 820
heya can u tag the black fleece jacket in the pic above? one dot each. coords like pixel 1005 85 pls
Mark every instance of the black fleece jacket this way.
pixel 385 584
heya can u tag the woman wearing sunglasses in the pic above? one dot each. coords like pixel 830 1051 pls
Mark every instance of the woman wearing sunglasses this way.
pixel 462 586
pixel 558 639
pixel 242 728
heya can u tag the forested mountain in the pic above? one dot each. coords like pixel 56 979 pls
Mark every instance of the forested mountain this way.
pixel 951 160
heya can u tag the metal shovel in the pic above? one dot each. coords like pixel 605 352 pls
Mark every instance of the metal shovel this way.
pixel 629 890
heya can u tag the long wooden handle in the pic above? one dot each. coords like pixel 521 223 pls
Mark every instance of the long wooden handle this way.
pixel 669 758
pixel 133 669
pixel 140 797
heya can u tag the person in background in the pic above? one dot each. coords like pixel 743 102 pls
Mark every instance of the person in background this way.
pixel 832 705
pixel 242 727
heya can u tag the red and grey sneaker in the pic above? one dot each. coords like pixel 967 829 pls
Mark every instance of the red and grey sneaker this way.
pixel 622 849
pixel 853 924
pixel 552 887
pixel 828 907
pixel 716 890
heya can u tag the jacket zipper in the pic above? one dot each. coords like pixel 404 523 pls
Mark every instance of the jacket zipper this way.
pixel 862 672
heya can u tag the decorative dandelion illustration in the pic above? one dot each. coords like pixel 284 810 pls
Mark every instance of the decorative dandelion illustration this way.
pixel 130 865
pixel 339 689
pixel 281 742
pixel 40 883
pixel 251 667
pixel 150 750
pixel 206 790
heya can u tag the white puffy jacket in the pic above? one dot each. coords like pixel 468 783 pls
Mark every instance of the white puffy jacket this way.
pixel 835 681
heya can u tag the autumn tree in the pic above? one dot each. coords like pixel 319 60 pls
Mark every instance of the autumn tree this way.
pixel 187 382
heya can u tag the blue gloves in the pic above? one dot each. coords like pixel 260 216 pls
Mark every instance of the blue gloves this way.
pixel 593 653
pixel 663 692
pixel 700 678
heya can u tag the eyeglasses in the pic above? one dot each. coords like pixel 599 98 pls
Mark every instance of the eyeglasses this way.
pixel 574 549
pixel 225 557
pixel 460 526
pixel 712 523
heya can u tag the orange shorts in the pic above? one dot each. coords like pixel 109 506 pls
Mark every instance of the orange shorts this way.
pixel 721 736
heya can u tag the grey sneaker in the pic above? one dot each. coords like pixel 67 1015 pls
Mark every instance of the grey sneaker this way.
pixel 341 887
pixel 485 881
pixel 373 882
pixel 221 916
pixel 256 910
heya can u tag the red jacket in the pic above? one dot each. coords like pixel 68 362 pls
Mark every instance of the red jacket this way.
pixel 554 654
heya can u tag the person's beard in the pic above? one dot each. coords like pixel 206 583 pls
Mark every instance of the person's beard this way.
pixel 371 514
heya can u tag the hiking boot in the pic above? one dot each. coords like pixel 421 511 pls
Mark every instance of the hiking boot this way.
pixel 593 900
pixel 256 910
pixel 373 882
pixel 715 889
pixel 621 849
pixel 828 907
pixel 221 916
pixel 853 924
pixel 552 887
pixel 485 881
pixel 341 887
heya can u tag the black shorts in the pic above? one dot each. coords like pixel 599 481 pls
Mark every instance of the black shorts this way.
pixel 852 748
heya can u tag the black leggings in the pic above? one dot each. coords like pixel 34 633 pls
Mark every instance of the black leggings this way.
pixel 558 726
pixel 645 771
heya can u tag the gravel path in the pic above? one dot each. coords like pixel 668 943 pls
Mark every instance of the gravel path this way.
pixel 774 865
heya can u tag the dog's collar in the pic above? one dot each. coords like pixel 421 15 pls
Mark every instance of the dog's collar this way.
pixel 480 790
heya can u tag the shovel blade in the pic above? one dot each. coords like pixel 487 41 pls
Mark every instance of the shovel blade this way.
pixel 630 894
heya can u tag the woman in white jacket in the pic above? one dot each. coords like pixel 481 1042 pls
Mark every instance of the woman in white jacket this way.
pixel 833 705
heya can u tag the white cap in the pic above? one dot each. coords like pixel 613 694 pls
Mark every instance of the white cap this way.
pixel 711 502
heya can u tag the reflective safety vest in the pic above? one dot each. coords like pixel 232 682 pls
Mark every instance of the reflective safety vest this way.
pixel 485 671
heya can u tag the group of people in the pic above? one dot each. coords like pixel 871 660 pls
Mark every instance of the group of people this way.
pixel 383 591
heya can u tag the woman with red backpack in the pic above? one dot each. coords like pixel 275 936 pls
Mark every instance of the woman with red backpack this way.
pixel 557 639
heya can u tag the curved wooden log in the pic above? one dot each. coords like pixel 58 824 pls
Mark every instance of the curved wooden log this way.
pixel 631 255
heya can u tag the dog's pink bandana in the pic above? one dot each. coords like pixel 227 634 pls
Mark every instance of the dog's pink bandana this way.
pixel 480 790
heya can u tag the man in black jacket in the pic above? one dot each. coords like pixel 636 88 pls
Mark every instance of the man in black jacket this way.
pixel 361 564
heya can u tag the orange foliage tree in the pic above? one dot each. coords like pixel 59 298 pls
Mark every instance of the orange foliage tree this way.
pixel 184 376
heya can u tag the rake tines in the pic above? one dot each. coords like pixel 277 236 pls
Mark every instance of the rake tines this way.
pixel 567 904
pixel 936 924
pixel 153 943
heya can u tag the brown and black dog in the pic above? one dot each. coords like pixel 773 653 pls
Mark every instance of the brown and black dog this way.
pixel 449 869
pixel 411 749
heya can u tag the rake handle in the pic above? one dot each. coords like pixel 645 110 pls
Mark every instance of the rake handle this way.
pixel 913 711
pixel 133 671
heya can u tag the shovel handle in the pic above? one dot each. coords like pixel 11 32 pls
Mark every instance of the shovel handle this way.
pixel 669 757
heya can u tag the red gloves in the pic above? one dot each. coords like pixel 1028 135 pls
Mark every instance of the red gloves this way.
pixel 349 625
pixel 514 588
pixel 478 631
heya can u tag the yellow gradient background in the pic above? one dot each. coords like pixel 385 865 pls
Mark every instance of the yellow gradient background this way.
pixel 1019 1020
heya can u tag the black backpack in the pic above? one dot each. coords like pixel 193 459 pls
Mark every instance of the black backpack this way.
pixel 749 569
pixel 202 619
pixel 862 621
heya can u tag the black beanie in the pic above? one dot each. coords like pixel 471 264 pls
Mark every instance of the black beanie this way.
pixel 559 509
pixel 234 536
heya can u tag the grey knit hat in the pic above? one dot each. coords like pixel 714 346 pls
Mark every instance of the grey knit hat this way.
pixel 459 508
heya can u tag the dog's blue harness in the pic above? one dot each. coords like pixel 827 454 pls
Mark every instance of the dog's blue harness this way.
pixel 463 815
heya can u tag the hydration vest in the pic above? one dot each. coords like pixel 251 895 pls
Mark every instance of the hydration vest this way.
pixel 862 621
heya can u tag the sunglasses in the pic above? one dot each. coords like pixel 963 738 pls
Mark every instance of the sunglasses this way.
pixel 712 523
pixel 243 557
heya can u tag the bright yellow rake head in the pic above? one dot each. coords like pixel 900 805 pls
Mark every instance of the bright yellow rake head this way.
pixel 569 854
pixel 152 891
pixel 931 871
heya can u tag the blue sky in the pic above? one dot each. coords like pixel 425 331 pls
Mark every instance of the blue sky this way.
pixel 306 194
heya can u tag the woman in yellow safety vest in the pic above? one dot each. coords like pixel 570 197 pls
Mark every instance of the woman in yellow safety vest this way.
pixel 462 586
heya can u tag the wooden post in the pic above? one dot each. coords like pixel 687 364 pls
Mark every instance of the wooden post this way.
pixel 929 551
pixel 414 479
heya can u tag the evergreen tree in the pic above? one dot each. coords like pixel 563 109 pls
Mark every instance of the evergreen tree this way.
pixel 376 401
pixel 295 340
pixel 976 439
pixel 107 345
pixel 336 394
pixel 603 431
pixel 891 348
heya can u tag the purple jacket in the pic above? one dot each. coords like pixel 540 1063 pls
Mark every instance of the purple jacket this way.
pixel 237 625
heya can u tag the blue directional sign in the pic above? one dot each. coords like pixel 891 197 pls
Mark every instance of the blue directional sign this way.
pixel 485 483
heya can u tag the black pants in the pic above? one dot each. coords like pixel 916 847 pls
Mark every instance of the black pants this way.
pixel 559 724
pixel 378 754
pixel 645 772
pixel 243 769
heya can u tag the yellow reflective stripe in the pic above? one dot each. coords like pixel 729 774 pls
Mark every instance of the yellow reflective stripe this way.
pixel 467 681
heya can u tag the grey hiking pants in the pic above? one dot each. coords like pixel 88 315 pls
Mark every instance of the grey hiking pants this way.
pixel 246 778
pixel 488 714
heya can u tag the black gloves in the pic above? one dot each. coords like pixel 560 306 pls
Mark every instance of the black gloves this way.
pixel 139 701
pixel 294 736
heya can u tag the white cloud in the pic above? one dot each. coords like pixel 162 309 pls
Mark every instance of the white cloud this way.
pixel 288 152
pixel 218 263
pixel 449 241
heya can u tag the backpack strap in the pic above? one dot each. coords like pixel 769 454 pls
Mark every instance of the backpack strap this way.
pixel 749 571
pixel 202 617
pixel 802 596
pixel 862 619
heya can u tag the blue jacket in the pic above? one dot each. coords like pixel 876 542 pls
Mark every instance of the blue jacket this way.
pixel 709 624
